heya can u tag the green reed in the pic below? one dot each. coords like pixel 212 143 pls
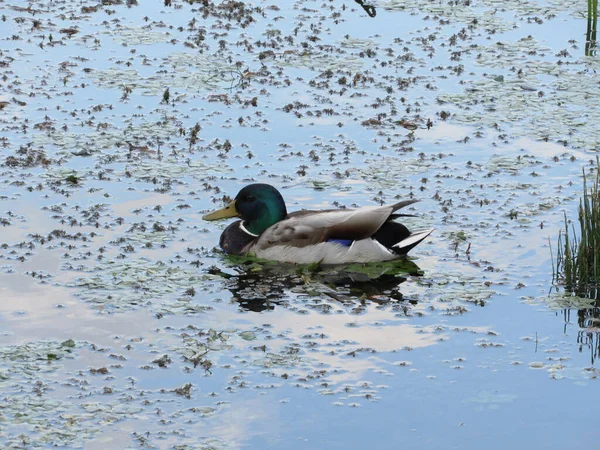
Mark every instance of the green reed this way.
pixel 592 27
pixel 578 257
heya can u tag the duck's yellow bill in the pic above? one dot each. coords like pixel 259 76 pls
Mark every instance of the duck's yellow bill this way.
pixel 223 213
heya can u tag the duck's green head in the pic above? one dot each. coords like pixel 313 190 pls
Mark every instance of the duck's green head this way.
pixel 259 205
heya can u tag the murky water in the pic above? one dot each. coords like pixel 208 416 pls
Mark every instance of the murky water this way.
pixel 122 122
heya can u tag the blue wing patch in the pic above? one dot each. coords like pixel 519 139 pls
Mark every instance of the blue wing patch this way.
pixel 344 242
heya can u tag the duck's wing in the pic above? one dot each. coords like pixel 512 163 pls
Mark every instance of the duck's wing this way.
pixel 305 228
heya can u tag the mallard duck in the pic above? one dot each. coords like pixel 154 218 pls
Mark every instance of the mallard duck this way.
pixel 338 236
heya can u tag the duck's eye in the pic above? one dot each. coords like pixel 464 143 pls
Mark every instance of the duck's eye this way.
pixel 250 198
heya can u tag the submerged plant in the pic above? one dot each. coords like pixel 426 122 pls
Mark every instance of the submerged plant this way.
pixel 578 257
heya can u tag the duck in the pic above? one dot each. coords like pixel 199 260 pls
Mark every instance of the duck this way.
pixel 334 236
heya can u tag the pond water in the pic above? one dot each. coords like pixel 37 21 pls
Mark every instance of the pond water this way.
pixel 123 122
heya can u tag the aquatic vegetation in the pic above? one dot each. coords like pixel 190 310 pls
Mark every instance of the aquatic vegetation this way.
pixel 578 255
pixel 27 375
pixel 122 285
pixel 591 42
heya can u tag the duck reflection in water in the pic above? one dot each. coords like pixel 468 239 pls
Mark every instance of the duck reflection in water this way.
pixel 262 286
